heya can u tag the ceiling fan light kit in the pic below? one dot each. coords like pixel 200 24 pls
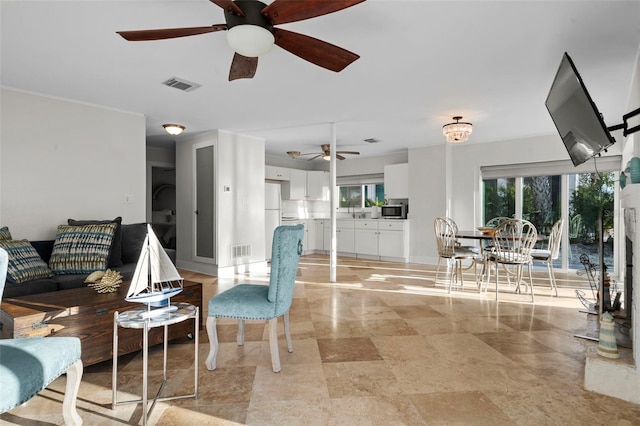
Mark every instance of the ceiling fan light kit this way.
pixel 173 129
pixel 457 132
pixel 250 40
pixel 251 33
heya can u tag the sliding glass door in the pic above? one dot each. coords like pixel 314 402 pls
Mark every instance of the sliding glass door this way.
pixel 578 199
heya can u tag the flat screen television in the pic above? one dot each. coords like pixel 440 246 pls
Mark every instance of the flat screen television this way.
pixel 575 115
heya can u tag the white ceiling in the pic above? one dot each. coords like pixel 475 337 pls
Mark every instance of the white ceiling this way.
pixel 421 63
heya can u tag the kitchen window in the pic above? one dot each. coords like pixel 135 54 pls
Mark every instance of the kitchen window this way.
pixel 361 196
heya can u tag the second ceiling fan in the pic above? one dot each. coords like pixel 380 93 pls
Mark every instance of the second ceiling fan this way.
pixel 251 33
pixel 325 154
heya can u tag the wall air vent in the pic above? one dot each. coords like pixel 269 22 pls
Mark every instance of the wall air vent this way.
pixel 240 250
pixel 372 140
pixel 181 84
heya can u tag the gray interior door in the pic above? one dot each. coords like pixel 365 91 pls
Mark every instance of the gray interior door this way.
pixel 205 201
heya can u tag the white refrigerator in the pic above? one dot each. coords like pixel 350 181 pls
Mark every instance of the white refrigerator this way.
pixel 272 213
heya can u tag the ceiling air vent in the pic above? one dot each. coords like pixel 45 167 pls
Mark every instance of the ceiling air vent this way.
pixel 372 140
pixel 181 84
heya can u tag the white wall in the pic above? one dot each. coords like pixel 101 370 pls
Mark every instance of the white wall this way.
pixel 61 159
pixel 368 165
pixel 427 200
pixel 240 211
pixel 239 165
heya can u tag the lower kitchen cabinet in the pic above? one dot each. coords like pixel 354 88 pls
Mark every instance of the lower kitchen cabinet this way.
pixel 384 239
pixel 379 239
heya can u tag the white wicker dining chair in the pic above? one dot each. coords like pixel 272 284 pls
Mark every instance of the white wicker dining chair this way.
pixel 513 241
pixel 449 250
pixel 551 253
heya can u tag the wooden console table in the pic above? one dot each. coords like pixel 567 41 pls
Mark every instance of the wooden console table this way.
pixel 87 314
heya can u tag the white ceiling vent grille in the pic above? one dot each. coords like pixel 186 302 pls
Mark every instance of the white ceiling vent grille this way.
pixel 181 84
pixel 240 250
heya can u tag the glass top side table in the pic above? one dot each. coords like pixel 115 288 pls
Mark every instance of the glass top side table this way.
pixel 134 319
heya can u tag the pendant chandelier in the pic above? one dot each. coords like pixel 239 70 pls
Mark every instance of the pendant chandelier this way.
pixel 457 132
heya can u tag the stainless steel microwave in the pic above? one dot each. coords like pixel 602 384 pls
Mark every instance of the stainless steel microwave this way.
pixel 394 211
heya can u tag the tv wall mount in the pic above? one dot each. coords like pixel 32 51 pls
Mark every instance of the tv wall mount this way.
pixel 626 130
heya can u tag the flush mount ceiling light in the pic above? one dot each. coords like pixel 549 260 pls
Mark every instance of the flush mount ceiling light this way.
pixel 173 129
pixel 457 132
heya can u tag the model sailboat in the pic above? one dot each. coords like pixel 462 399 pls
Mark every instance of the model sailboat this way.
pixel 155 279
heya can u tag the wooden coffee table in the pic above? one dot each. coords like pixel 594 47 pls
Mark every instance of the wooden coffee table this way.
pixel 87 314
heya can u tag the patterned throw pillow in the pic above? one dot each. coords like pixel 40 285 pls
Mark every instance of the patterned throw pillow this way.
pixel 81 249
pixel 24 262
pixel 4 233
pixel 115 254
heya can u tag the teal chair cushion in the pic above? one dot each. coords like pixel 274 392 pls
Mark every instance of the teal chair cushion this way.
pixel 261 302
pixel 27 366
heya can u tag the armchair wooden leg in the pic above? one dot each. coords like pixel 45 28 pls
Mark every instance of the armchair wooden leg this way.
pixel 273 344
pixel 287 332
pixel 210 362
pixel 69 411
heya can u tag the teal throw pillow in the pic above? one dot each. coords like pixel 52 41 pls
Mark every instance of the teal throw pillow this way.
pixel 25 263
pixel 81 249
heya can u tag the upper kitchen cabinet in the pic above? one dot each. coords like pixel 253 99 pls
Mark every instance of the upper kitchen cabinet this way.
pixel 396 181
pixel 306 185
pixel 277 173
pixel 317 185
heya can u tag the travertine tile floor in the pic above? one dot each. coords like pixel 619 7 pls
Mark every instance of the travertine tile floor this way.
pixel 385 345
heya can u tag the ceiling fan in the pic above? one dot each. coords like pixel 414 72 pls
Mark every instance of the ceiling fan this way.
pixel 325 154
pixel 251 33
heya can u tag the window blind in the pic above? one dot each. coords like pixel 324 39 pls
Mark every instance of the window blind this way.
pixel 354 180
pixel 550 168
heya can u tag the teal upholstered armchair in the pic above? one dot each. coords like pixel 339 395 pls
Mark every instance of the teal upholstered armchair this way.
pixel 27 366
pixel 261 302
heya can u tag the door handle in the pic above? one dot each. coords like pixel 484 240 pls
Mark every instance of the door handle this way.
pixel 197 212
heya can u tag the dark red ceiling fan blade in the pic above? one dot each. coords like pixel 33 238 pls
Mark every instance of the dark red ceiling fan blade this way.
pixel 348 152
pixel 161 34
pixel 229 6
pixel 316 51
pixel 283 11
pixel 339 157
pixel 313 158
pixel 242 67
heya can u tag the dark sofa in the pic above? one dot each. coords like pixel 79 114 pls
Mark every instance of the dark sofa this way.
pixel 131 243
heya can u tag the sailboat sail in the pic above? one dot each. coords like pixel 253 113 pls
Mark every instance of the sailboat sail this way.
pixel 155 279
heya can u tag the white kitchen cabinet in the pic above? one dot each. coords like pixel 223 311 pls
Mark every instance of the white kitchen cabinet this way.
pixel 277 173
pixel 345 240
pixel 345 236
pixel 309 243
pixel 306 185
pixel 296 188
pixel 366 237
pixel 393 239
pixel 383 239
pixel 396 181
pixel 317 185
pixel 391 244
pixel 318 226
